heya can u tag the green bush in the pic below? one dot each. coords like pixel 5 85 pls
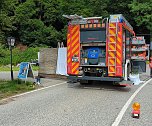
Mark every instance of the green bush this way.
pixel 18 55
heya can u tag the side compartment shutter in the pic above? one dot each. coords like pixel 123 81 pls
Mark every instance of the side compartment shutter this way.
pixel 119 53
pixel 114 50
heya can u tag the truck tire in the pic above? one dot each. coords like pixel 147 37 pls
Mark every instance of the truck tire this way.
pixel 85 82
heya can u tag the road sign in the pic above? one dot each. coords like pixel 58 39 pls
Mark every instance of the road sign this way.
pixel 25 71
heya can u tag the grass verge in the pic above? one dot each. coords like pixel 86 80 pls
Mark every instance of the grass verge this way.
pixel 6 68
pixel 10 88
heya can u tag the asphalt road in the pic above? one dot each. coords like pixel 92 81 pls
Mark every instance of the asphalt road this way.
pixel 73 105
pixel 144 97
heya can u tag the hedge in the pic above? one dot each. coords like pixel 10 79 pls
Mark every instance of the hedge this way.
pixel 18 55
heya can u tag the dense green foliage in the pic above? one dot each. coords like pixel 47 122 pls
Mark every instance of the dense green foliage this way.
pixel 40 22
pixel 142 10
pixel 18 56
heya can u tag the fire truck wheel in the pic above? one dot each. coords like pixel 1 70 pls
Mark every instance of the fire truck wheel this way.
pixel 90 82
pixel 85 82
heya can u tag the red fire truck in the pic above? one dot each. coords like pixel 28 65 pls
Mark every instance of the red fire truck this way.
pixel 99 48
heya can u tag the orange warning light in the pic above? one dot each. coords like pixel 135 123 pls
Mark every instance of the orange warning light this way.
pixel 136 110
pixel 136 106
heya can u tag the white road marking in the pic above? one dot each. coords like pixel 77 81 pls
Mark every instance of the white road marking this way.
pixel 123 110
pixel 33 91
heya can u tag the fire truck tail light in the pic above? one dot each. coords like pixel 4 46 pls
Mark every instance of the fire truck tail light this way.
pixel 75 59
pixel 80 72
pixel 80 68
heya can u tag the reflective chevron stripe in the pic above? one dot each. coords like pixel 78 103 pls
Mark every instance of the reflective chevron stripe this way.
pixel 73 45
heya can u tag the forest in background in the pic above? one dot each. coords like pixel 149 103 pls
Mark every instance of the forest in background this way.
pixel 40 22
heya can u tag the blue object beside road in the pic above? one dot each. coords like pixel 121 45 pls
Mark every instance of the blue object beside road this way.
pixel 23 72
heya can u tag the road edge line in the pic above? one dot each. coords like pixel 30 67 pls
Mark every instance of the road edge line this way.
pixel 123 110
pixel 18 95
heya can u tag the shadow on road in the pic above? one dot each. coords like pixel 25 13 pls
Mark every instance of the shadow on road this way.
pixel 100 85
